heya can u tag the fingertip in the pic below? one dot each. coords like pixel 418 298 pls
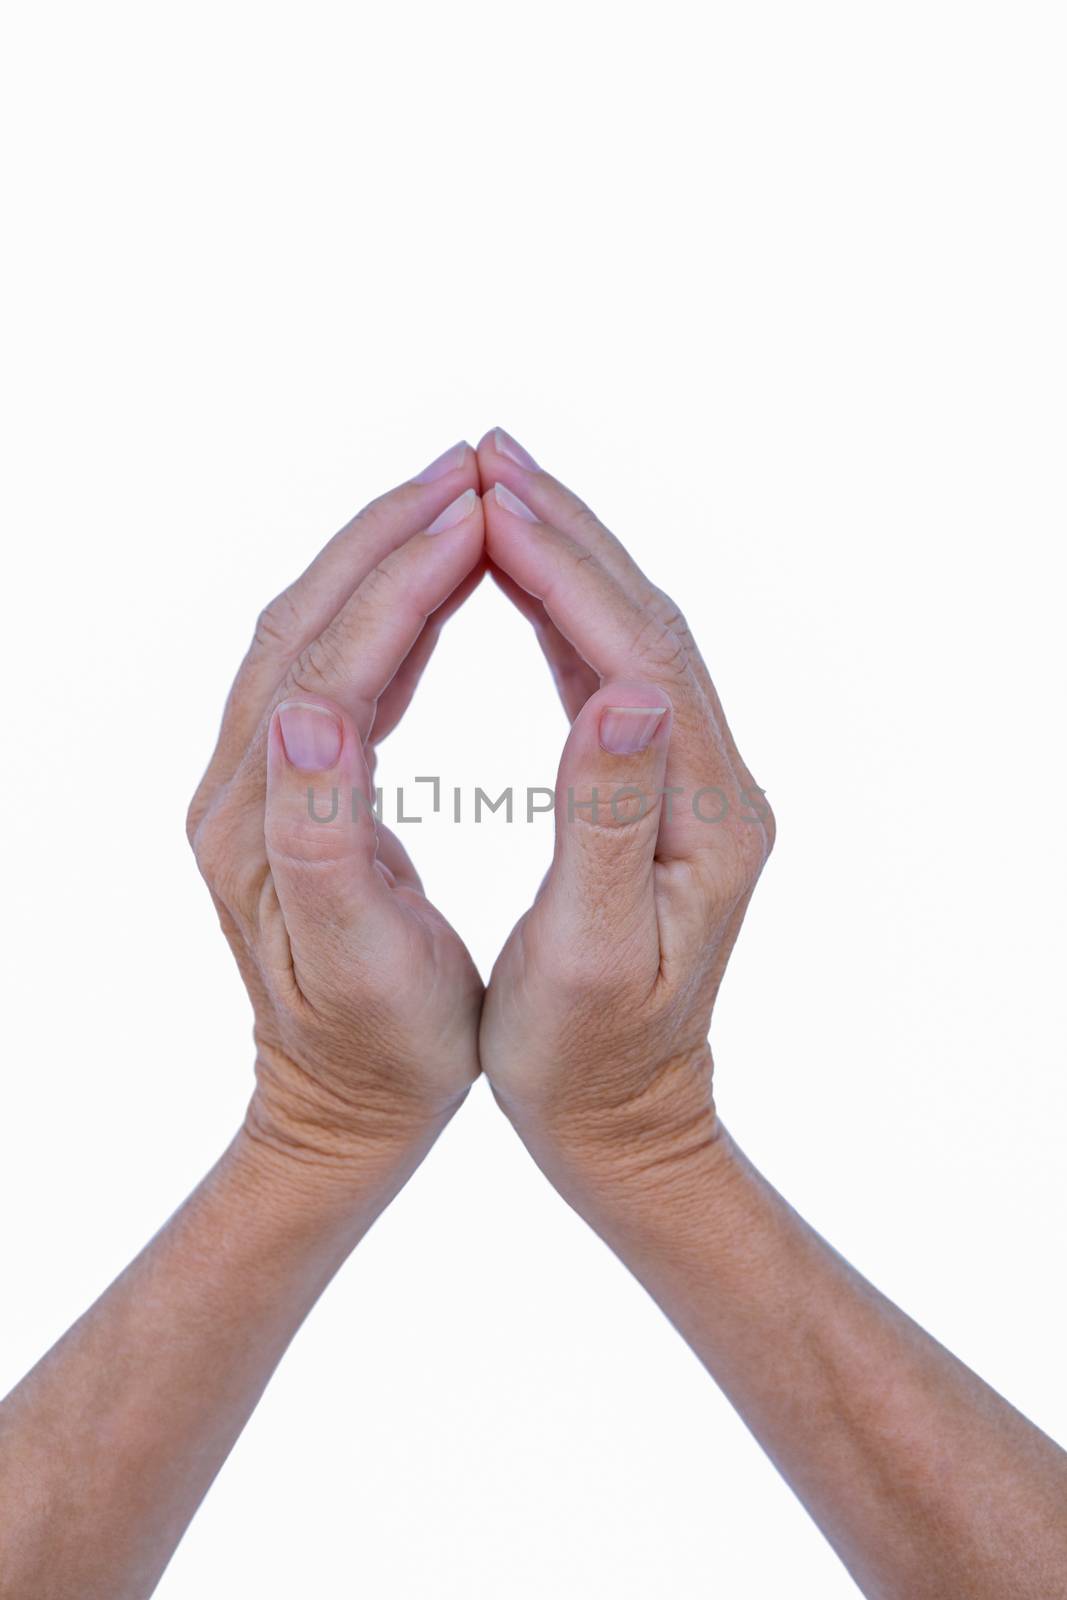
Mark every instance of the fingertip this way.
pixel 505 444
pixel 629 730
pixel 312 740
pixel 308 735
pixel 509 501
pixel 624 719
pixel 631 716
pixel 456 512
pixel 454 459
pixel 609 803
pixel 320 796
pixel 500 445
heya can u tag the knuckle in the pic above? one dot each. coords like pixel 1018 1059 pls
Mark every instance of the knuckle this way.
pixel 195 815
pixel 670 615
pixel 755 810
pixel 320 663
pixel 573 558
pixel 625 812
pixel 234 877
pixel 383 512
pixel 210 842
pixel 580 557
pixel 586 521
pixel 770 827
pixel 662 647
pixel 278 626
pixel 736 863
pixel 379 584
pixel 751 854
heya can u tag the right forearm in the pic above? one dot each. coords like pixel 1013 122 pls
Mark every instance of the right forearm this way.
pixel 924 1479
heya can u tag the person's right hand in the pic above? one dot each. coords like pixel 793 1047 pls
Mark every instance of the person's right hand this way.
pixel 366 1002
pixel 595 1026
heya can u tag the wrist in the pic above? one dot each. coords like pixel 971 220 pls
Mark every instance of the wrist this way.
pixel 324 1175
pixel 628 1153
pixel 330 1134
pixel 664 1203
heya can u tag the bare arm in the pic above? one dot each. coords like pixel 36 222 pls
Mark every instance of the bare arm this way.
pixel 366 1006
pixel 108 1446
pixel 594 1036
pixel 927 1483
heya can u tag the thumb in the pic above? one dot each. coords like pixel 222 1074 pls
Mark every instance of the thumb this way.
pixel 320 830
pixel 608 805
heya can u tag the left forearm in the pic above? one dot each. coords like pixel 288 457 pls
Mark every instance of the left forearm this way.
pixel 366 1008
pixel 108 1446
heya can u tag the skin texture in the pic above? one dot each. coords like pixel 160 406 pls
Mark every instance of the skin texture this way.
pixel 598 1010
pixel 365 1010
pixel 321 919
pixel 594 1037
pixel 371 1024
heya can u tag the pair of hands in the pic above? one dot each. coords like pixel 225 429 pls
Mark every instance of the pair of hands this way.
pixel 371 1021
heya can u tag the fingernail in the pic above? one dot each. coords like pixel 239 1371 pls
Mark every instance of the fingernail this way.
pixel 457 512
pixel 312 736
pixel 505 445
pixel 512 503
pixel 627 730
pixel 445 463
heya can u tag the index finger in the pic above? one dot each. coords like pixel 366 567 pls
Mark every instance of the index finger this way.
pixel 621 639
pixel 503 460
pixel 302 611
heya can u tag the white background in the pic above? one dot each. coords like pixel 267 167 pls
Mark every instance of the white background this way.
pixel 779 289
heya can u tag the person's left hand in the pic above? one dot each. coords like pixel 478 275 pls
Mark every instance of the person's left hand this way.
pixel 594 1031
